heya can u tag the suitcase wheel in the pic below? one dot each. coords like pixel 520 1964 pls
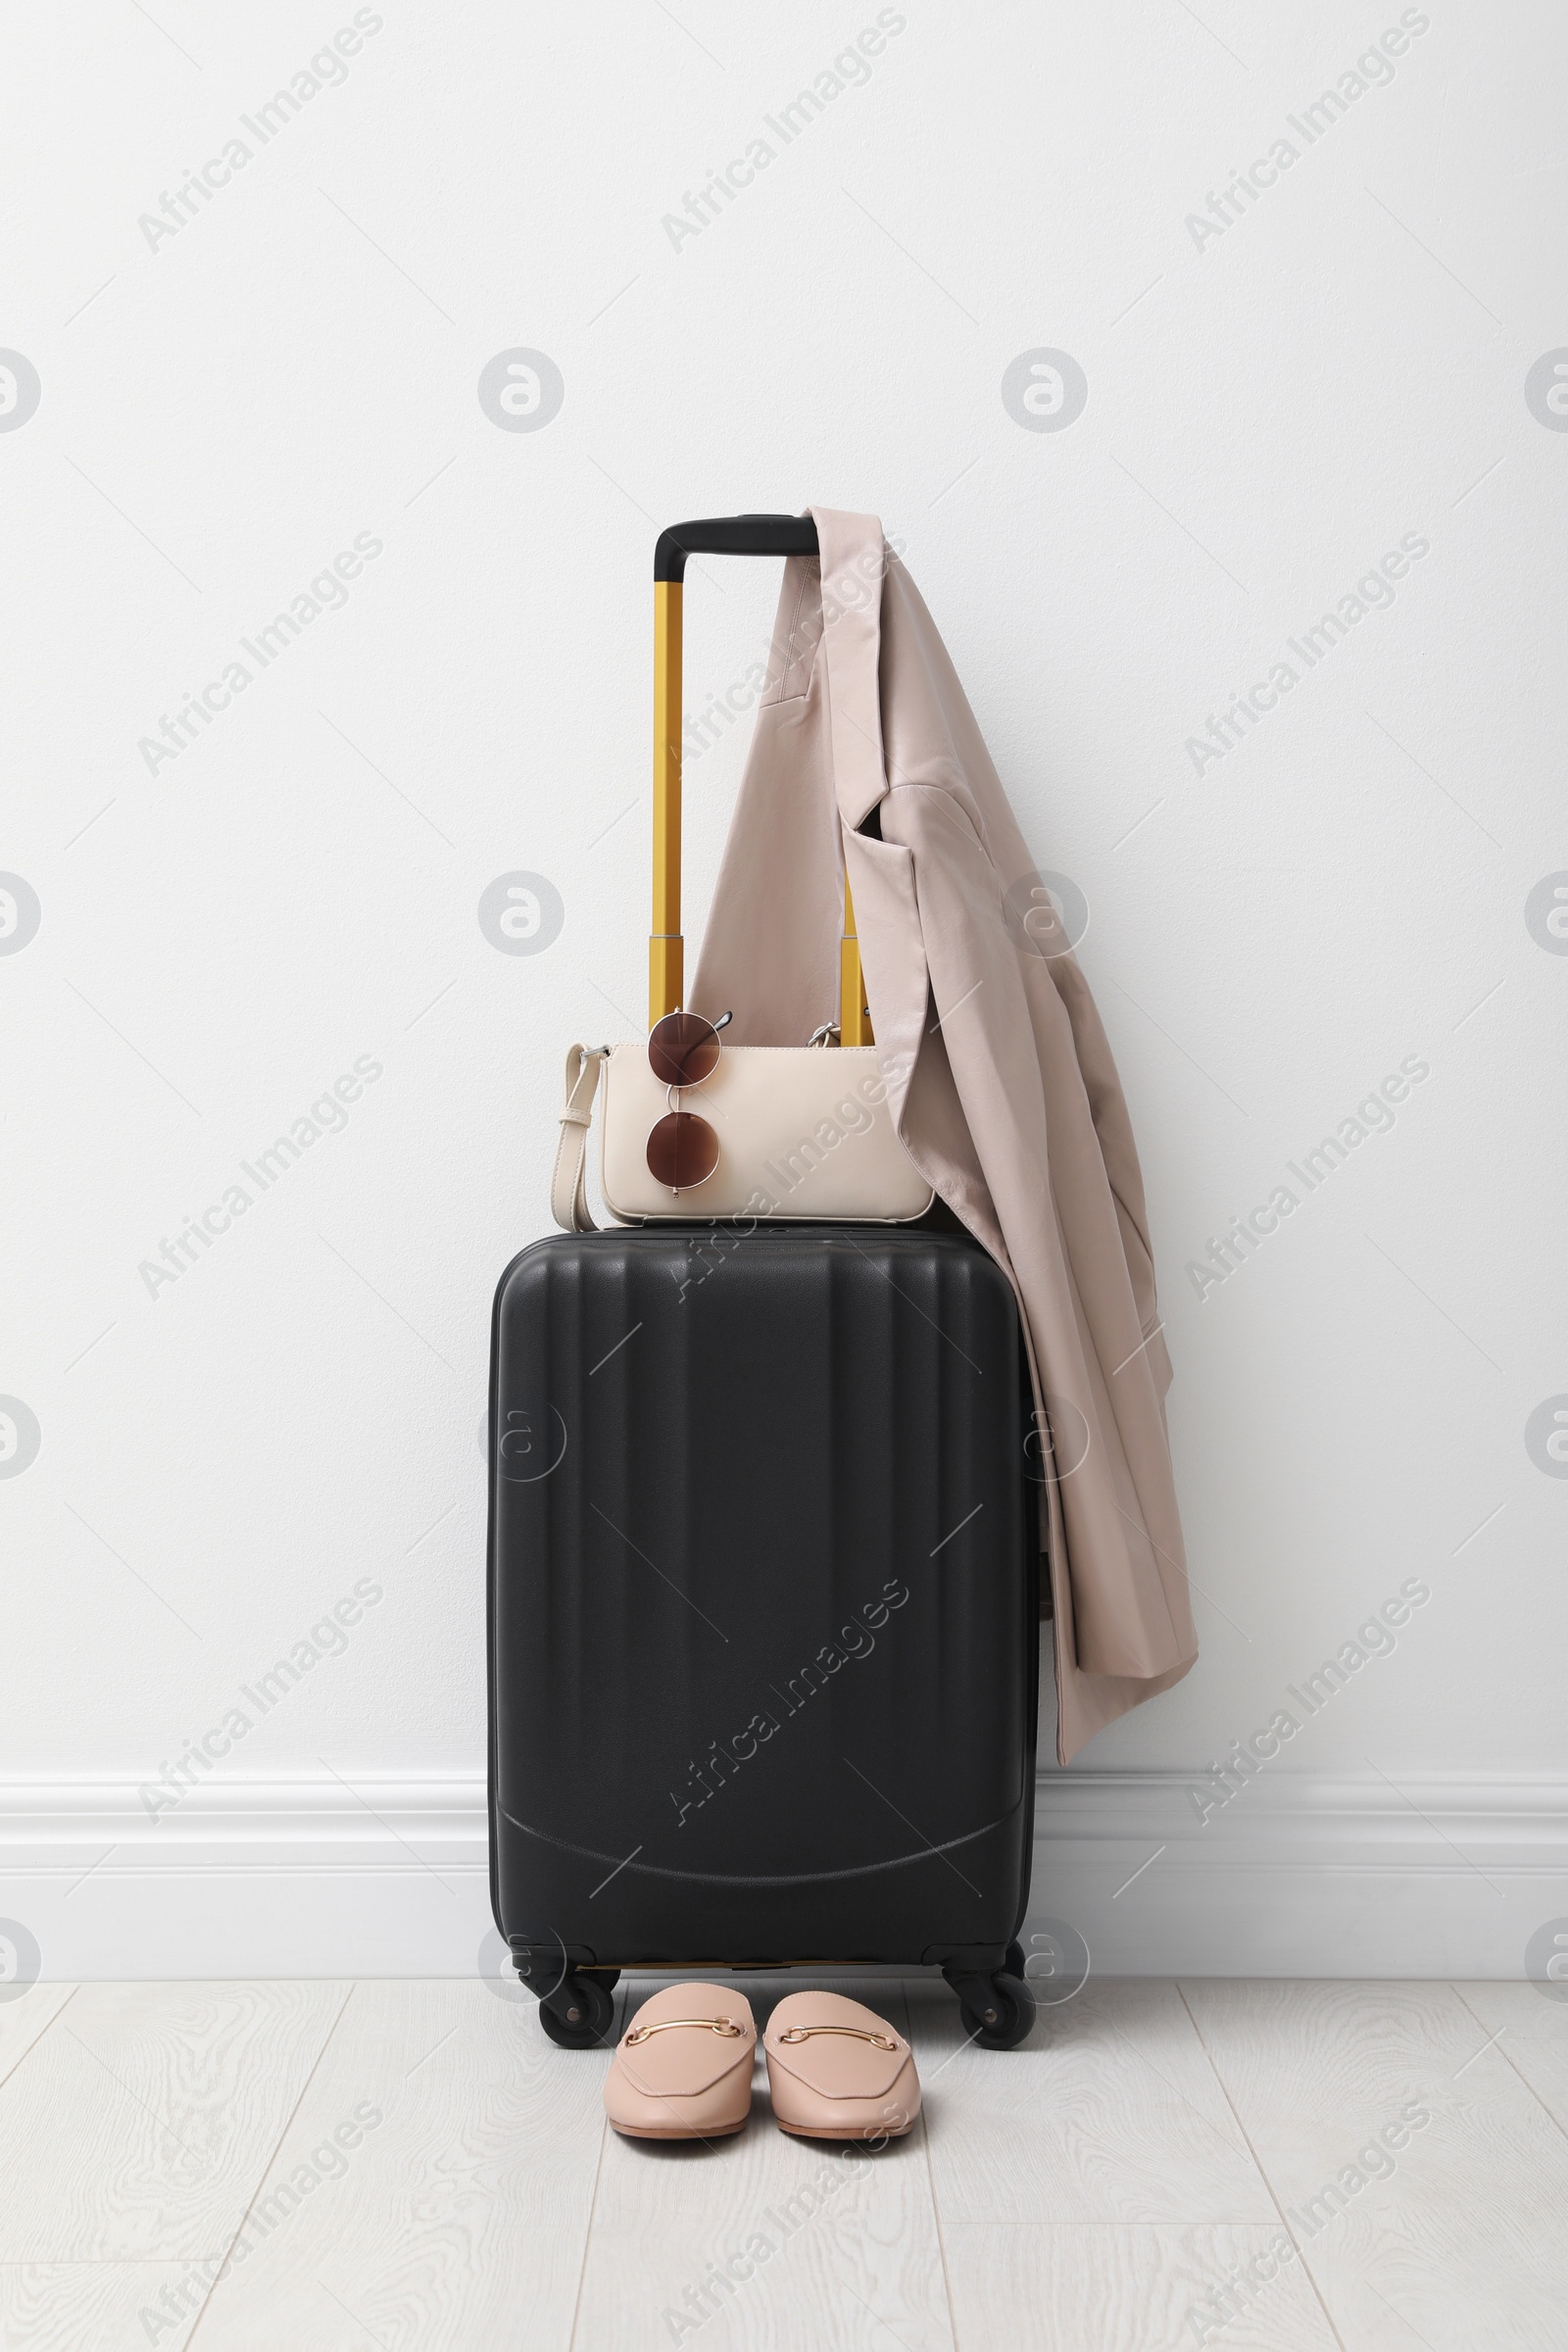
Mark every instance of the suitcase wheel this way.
pixel 998 2010
pixel 578 2014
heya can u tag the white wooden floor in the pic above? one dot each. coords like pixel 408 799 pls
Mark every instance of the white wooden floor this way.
pixel 412 2166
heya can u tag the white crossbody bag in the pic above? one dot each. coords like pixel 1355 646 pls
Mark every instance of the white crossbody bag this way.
pixel 804 1132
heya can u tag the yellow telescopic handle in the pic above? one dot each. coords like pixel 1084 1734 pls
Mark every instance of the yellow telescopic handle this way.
pixel 665 946
pixel 666 974
pixel 854 1015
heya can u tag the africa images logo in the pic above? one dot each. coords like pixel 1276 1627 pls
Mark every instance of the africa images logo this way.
pixel 327 70
pixel 1545 390
pixel 327 593
pixel 522 389
pixel 20 1437
pixel 20 390
pixel 20 913
pixel 1045 390
pixel 1547 1437
pixel 521 913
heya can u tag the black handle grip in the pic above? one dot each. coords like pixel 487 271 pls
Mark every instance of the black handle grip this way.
pixel 732 535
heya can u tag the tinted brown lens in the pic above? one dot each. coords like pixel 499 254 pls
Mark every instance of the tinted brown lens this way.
pixel 682 1151
pixel 683 1048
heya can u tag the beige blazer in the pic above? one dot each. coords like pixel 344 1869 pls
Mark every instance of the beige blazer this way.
pixel 866 757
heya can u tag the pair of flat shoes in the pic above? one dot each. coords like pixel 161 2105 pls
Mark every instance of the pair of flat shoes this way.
pixel 682 2070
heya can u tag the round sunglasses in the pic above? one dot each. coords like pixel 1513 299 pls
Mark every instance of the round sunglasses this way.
pixel 682 1051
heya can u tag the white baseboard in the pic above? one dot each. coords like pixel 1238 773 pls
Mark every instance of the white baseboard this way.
pixel 1298 1875
pixel 385 1878
pixel 1301 1874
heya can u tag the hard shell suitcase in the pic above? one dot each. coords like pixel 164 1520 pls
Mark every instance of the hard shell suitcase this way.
pixel 762 1568
pixel 763 1611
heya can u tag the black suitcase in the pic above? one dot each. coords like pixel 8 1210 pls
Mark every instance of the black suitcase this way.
pixel 763 1612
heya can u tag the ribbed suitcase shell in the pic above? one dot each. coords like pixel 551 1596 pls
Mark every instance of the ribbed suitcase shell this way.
pixel 763 1598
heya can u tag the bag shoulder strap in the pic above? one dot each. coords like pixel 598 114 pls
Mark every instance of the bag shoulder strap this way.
pixel 568 1190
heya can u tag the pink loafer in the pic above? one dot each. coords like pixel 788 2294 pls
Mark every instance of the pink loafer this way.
pixel 837 2070
pixel 682 2070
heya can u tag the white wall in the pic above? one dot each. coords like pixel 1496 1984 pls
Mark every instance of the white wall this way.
pixel 1270 409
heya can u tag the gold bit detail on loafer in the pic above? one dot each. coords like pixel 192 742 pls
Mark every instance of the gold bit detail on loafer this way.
pixel 711 2025
pixel 880 2042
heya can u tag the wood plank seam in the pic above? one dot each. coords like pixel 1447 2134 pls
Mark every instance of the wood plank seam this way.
pixel 38 2038
pixel 622 2010
pixel 1263 2174
pixel 1506 2055
pixel 930 2175
pixel 270 2159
